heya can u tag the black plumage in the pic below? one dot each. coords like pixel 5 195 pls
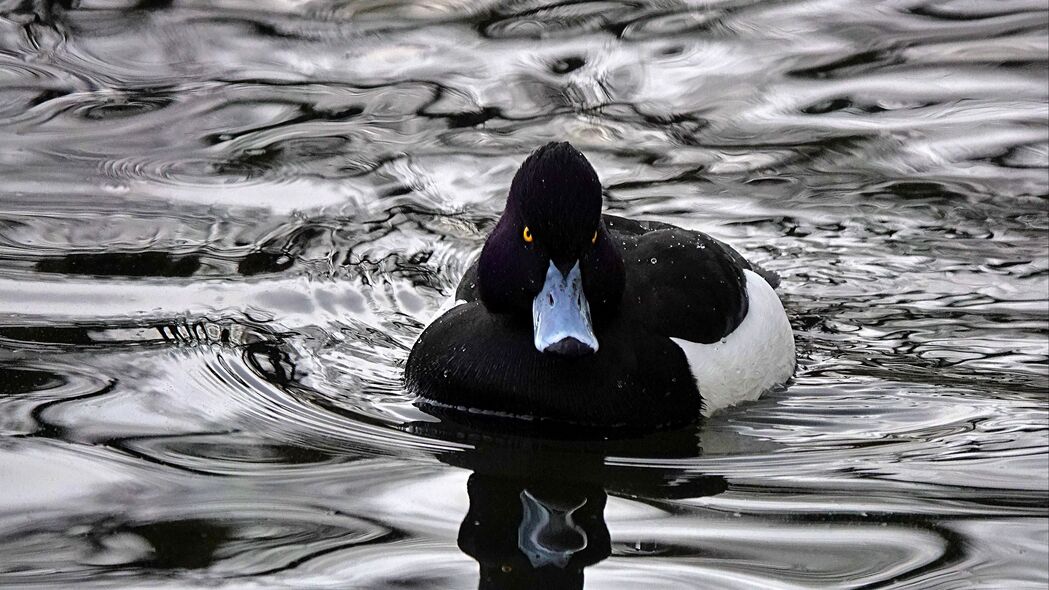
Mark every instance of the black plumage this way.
pixel 646 282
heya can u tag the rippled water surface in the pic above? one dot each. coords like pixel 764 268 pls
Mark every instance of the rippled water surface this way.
pixel 222 225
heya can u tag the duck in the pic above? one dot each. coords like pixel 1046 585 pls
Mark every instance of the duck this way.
pixel 575 318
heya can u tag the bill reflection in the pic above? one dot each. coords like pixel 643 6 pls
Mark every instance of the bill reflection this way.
pixel 533 534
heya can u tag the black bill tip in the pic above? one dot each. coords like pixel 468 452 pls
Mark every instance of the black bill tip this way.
pixel 569 347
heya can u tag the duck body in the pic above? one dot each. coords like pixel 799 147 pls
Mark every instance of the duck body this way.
pixel 673 323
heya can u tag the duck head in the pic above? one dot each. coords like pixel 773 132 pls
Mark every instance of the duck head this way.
pixel 550 257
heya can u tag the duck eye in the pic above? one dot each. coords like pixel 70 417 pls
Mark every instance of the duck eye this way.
pixel 527 235
pixel 593 240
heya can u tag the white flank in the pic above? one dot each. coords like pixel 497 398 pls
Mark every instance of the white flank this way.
pixel 756 356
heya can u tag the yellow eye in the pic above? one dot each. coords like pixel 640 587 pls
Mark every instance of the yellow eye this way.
pixel 527 235
pixel 593 240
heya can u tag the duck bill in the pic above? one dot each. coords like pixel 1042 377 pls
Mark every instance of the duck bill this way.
pixel 561 315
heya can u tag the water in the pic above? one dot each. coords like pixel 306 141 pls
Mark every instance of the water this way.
pixel 222 227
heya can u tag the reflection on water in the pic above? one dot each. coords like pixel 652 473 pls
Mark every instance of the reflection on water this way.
pixel 533 534
pixel 536 506
pixel 222 227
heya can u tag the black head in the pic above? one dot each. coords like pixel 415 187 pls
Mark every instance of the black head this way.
pixel 552 221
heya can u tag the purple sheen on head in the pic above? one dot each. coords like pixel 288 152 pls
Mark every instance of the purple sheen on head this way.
pixel 508 275
pixel 556 193
pixel 604 275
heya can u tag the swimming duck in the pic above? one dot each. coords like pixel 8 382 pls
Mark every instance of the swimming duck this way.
pixel 574 317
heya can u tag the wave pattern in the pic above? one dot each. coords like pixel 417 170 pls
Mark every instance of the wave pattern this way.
pixel 221 229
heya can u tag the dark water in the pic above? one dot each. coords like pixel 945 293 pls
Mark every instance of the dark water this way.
pixel 222 225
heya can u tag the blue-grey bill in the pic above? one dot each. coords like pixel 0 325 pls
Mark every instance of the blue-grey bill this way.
pixel 560 312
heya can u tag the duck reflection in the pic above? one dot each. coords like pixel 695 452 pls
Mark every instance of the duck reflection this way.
pixel 537 500
pixel 533 534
